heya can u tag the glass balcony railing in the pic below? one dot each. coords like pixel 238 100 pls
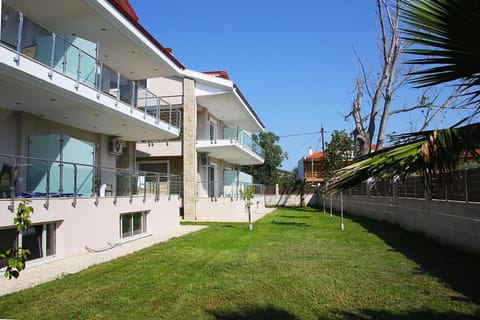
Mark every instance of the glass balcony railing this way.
pixel 28 177
pixel 234 135
pixel 217 189
pixel 76 58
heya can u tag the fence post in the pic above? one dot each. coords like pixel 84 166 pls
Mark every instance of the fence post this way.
pixel 342 225
pixel 395 190
pixel 466 185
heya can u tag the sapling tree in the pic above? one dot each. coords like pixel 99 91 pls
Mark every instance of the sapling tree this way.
pixel 247 196
pixel 17 256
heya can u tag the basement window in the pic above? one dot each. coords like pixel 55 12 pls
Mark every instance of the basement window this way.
pixel 38 239
pixel 133 223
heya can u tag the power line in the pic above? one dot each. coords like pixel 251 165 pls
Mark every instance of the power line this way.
pixel 302 134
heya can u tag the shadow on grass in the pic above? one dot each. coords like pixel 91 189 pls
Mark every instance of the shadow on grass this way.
pixel 260 313
pixel 294 217
pixel 407 315
pixel 457 269
pixel 296 224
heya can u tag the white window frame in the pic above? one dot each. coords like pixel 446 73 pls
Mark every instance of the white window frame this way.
pixel 212 124
pixel 143 224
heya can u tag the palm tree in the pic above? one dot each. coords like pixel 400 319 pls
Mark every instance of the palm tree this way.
pixel 445 45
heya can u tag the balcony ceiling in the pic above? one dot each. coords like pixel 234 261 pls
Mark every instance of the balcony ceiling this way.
pixel 229 109
pixel 42 99
pixel 119 44
pixel 228 152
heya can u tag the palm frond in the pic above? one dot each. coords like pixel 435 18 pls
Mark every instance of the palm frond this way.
pixel 445 41
pixel 430 153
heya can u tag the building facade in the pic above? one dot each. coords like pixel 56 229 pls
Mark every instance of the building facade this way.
pixel 215 143
pixel 106 134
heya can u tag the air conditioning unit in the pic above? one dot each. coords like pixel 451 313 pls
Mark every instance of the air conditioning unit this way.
pixel 115 146
pixel 204 161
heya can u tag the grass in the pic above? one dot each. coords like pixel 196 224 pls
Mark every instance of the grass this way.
pixel 296 264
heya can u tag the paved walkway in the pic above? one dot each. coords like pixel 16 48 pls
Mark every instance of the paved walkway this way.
pixel 48 270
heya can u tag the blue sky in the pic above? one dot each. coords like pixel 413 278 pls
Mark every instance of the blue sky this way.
pixel 293 60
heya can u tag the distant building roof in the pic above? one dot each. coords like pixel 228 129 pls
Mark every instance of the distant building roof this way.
pixel 315 155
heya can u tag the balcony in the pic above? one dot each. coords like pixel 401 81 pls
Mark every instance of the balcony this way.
pixel 217 189
pixel 29 177
pixel 62 80
pixel 314 176
pixel 235 146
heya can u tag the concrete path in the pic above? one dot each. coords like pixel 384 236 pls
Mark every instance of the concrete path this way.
pixel 50 269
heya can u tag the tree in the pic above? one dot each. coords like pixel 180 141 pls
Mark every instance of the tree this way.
pixel 287 178
pixel 382 90
pixel 17 256
pixel 267 173
pixel 449 52
pixel 247 196
pixel 446 47
pixel 338 153
pixel 385 85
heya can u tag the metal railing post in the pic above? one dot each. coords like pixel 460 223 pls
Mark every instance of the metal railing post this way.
pixel 114 190
pixel 47 187
pixel 13 188
pixel 19 37
pixel 170 116
pixel 75 182
pixel 132 102
pixel 79 71
pixel 118 89
pixel 145 188
pixel 52 55
pixel 157 114
pixel 157 186
pixel 100 79
pixel 130 186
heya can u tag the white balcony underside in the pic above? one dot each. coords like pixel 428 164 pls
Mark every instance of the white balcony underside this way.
pixel 27 87
pixel 229 109
pixel 229 151
pixel 122 46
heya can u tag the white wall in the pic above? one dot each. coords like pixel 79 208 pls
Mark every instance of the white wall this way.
pixel 291 200
pixel 453 223
pixel 160 149
pixel 228 210
pixel 96 225
pixel 164 87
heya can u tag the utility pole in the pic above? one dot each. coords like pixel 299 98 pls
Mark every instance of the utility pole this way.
pixel 323 139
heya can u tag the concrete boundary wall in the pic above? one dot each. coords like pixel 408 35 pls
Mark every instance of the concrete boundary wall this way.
pixel 229 210
pixel 452 223
pixel 291 200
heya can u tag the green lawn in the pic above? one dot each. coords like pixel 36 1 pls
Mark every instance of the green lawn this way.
pixel 296 264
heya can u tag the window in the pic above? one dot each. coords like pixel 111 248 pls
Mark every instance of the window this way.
pixel 38 239
pixel 213 130
pixel 132 224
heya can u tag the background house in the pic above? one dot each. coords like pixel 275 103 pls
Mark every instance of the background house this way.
pixel 310 167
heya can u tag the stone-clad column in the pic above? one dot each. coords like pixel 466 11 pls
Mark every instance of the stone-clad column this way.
pixel 189 149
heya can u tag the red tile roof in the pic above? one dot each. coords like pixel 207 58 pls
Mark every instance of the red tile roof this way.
pixel 127 8
pixel 316 155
